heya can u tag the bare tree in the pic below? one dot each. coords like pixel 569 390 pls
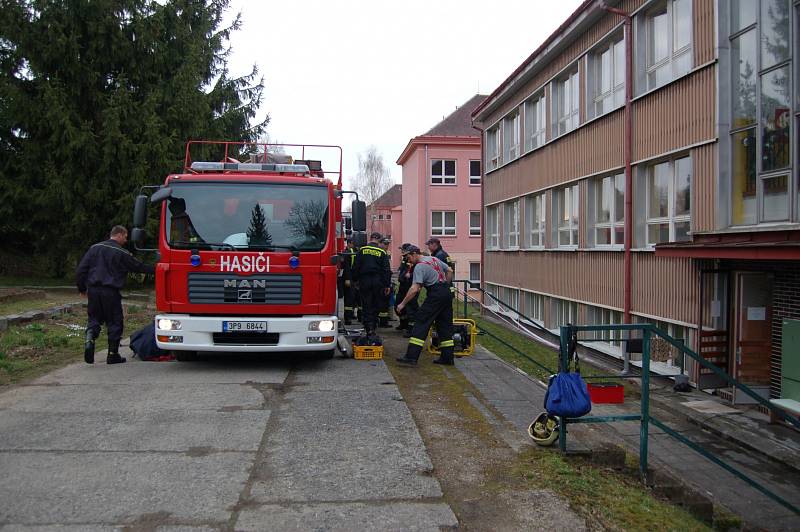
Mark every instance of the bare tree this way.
pixel 373 179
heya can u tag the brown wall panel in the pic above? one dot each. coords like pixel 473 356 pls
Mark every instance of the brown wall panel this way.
pixel 703 30
pixel 592 276
pixel 590 149
pixel 704 194
pixel 665 286
pixel 680 114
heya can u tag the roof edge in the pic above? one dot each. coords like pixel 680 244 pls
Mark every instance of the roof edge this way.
pixel 436 140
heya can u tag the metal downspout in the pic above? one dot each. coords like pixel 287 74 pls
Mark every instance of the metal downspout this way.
pixel 628 155
pixel 483 217
pixel 425 198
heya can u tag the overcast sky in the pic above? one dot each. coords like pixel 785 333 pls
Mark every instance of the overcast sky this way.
pixel 356 73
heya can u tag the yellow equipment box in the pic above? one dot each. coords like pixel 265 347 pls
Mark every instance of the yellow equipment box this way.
pixel 464 333
pixel 368 352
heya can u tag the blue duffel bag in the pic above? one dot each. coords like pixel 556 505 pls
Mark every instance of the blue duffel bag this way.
pixel 567 395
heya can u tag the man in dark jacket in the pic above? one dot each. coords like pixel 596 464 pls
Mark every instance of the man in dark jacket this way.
pixel 372 272
pixel 101 275
pixel 403 285
pixel 436 250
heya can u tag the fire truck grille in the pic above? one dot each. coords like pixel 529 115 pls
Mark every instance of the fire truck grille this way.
pixel 271 289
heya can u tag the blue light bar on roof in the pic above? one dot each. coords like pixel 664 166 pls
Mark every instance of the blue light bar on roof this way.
pixel 201 166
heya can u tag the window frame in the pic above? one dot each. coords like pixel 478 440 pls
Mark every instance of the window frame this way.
pixel 568 79
pixel 475 179
pixel 612 224
pixel 650 65
pixel 538 226
pixel 511 151
pixel 471 265
pixel 572 226
pixel 441 230
pixel 671 217
pixel 494 152
pixel 444 177
pixel 616 91
pixel 535 129
pixel 511 237
pixel 491 215
pixel 473 228
pixel 533 305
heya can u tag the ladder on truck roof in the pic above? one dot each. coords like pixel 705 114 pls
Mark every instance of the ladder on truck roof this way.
pixel 225 156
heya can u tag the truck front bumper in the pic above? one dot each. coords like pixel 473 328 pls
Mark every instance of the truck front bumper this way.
pixel 205 333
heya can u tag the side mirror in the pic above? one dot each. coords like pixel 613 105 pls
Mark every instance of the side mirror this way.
pixel 161 194
pixel 359 209
pixel 140 211
pixel 137 233
pixel 360 238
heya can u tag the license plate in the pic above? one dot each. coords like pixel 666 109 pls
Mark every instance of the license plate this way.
pixel 247 326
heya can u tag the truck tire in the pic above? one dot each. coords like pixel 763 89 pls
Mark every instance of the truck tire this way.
pixel 185 356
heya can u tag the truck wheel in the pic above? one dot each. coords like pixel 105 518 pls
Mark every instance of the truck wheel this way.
pixel 185 356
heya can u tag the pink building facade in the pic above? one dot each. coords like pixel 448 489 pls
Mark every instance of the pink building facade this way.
pixel 441 193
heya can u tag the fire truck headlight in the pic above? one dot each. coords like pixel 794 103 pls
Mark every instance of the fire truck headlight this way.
pixel 169 325
pixel 323 326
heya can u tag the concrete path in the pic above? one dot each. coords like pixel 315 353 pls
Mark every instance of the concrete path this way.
pixel 519 399
pixel 215 445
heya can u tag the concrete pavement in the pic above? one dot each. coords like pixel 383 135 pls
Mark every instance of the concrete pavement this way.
pixel 237 444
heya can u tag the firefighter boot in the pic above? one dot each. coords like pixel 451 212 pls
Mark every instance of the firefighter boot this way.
pixel 88 347
pixel 113 353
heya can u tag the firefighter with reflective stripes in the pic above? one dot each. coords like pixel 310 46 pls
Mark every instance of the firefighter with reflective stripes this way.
pixel 437 308
pixel 436 250
pixel 372 272
pixel 383 310
pixel 403 285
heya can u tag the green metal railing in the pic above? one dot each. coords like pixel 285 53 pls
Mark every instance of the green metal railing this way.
pixel 570 332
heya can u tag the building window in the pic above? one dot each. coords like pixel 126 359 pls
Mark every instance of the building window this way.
pixel 761 112
pixel 511 225
pixel 567 208
pixel 533 305
pixel 608 73
pixel 474 172
pixel 669 186
pixel 534 122
pixel 668 34
pixel 443 223
pixel 604 316
pixel 475 272
pixel 493 155
pixel 511 137
pixel 567 103
pixel 388 216
pixel 609 211
pixel 534 220
pixel 564 312
pixel 443 172
pixel 474 223
pixel 492 228
pixel 509 296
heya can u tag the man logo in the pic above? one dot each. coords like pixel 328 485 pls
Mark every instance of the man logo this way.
pixel 245 295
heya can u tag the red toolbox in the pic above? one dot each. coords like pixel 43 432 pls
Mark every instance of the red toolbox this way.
pixel 606 393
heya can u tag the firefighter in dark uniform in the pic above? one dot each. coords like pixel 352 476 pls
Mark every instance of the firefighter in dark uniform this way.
pixel 383 311
pixel 372 272
pixel 403 284
pixel 101 275
pixel 349 287
pixel 437 308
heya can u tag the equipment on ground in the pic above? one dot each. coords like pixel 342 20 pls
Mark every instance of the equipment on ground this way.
pixel 544 429
pixel 249 238
pixel 464 333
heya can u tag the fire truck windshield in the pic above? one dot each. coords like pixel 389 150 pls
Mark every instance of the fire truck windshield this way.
pixel 247 216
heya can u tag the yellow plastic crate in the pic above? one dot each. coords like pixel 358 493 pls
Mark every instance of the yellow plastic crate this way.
pixel 472 327
pixel 368 352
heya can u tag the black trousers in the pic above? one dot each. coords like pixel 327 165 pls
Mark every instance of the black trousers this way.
pixel 349 301
pixel 105 307
pixel 436 309
pixel 383 310
pixel 371 290
pixel 410 310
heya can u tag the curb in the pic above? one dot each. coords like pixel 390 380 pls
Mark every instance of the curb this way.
pixel 726 434
pixel 33 315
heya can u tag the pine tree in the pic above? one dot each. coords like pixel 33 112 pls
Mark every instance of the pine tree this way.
pixel 97 98
pixel 257 233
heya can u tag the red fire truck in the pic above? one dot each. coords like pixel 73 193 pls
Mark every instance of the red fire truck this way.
pixel 249 252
